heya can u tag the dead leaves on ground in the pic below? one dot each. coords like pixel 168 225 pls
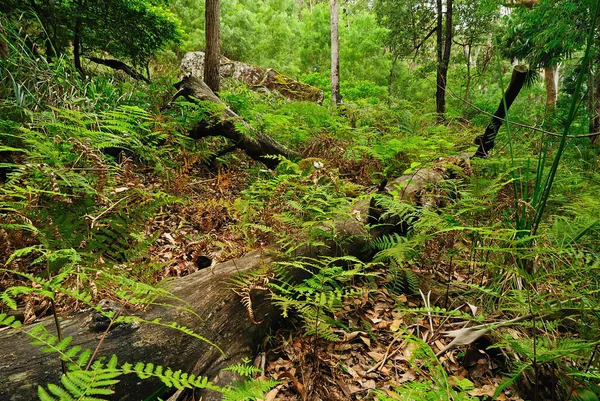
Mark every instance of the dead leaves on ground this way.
pixel 376 356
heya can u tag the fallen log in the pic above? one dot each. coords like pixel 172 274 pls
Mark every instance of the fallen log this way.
pixel 224 320
pixel 256 77
pixel 226 123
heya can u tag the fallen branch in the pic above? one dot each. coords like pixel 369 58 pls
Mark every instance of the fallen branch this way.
pixel 226 123
pixel 119 65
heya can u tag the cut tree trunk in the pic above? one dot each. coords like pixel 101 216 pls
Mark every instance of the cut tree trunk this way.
pixel 224 320
pixel 257 145
pixel 257 78
pixel 486 141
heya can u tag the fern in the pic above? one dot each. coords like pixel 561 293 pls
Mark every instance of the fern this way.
pixel 402 281
pixel 320 295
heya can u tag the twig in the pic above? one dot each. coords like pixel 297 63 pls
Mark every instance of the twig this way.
pixel 94 219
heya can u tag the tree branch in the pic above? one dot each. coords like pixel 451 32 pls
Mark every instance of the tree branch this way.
pixel 119 65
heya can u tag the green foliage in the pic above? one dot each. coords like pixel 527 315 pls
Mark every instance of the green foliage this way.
pixel 438 387
pixel 402 281
pixel 130 30
pixel 300 200
pixel 321 295
pixel 547 34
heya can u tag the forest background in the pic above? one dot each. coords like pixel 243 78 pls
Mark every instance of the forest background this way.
pixel 105 193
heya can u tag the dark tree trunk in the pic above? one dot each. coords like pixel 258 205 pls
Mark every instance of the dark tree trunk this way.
pixel 77 48
pixel 336 98
pixel 391 76
pixel 213 44
pixel 594 102
pixel 77 40
pixel 486 141
pixel 444 43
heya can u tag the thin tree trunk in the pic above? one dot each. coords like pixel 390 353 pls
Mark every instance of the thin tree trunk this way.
pixel 213 45
pixel 486 141
pixel 77 47
pixel 468 84
pixel 391 76
pixel 551 82
pixel 594 101
pixel 443 56
pixel 336 98
pixel 439 42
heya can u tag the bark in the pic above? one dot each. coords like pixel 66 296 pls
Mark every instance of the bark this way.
pixel 443 56
pixel 260 79
pixel 119 65
pixel 486 141
pixel 258 146
pixel 594 105
pixel 224 321
pixel 336 98
pixel 213 44
pixel 77 48
pixel 551 83
pixel 468 49
pixel 391 75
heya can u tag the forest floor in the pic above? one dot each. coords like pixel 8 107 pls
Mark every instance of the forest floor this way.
pixel 375 352
pixel 381 332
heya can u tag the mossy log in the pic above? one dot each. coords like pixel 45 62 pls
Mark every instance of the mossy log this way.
pixel 256 77
pixel 223 319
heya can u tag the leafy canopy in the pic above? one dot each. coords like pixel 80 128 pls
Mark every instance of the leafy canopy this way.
pixel 130 30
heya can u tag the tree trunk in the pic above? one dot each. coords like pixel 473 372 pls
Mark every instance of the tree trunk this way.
pixel 391 76
pixel 444 44
pixel 225 123
pixel 486 141
pixel 335 55
pixel 468 84
pixel 213 44
pixel 77 48
pixel 551 83
pixel 594 104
